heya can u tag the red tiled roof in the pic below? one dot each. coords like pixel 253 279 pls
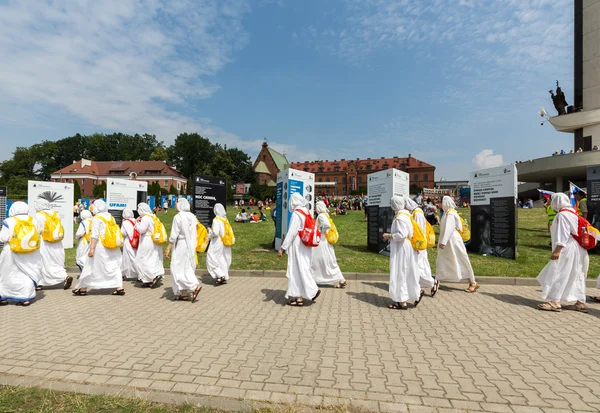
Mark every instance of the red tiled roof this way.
pixel 103 168
pixel 361 164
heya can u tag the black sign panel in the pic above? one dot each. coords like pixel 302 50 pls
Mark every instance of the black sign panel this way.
pixel 494 229
pixel 208 191
pixel 379 221
pixel 3 211
pixel 593 197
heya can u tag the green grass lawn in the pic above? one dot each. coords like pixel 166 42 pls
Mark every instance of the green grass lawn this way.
pixel 30 399
pixel 353 256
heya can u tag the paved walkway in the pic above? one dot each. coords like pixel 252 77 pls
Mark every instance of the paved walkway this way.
pixel 490 351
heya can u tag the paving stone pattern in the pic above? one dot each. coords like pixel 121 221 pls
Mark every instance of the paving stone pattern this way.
pixel 490 351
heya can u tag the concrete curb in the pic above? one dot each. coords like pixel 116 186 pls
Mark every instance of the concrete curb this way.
pixel 215 402
pixel 358 276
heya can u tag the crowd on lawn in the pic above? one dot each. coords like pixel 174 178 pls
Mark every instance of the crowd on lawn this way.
pixel 33 256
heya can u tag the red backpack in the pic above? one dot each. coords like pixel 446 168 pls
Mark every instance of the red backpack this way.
pixel 585 232
pixel 135 241
pixel 310 234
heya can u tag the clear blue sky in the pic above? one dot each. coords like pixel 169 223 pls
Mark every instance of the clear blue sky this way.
pixel 456 83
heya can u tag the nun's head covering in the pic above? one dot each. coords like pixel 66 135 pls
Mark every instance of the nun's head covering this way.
pixel 85 214
pixel 321 208
pixel 297 201
pixel 219 211
pixel 18 208
pixel 397 203
pixel 99 206
pixel 448 203
pixel 410 204
pixel 144 209
pixel 42 205
pixel 183 205
pixel 127 213
pixel 560 201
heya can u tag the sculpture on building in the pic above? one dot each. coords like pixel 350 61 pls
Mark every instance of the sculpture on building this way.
pixel 559 100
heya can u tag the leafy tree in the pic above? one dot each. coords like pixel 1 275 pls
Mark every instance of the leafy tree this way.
pixel 45 154
pixel 101 147
pixel 17 187
pixel 72 148
pixel 159 154
pixel 100 190
pixel 243 172
pixel 261 192
pixel 173 191
pixel 163 191
pixel 191 154
pixel 21 164
pixel 76 190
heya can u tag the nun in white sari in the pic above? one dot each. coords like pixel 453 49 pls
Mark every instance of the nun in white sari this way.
pixel 19 273
pixel 218 256
pixel 426 280
pixel 149 256
pixel 103 266
pixel 83 236
pixel 53 253
pixel 183 241
pixel 563 278
pixel 404 266
pixel 324 266
pixel 453 263
pixel 128 267
pixel 300 282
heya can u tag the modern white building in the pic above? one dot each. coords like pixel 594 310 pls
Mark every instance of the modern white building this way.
pixel 583 119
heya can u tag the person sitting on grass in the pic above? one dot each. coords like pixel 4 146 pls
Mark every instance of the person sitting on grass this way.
pixel 242 216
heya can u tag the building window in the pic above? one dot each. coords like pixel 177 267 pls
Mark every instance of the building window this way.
pixel 343 191
pixel 94 182
pixel 360 179
pixel 179 186
pixel 344 180
pixel 426 177
pixel 166 184
pixel 327 180
pixel 82 182
pixel 320 179
pixel 416 177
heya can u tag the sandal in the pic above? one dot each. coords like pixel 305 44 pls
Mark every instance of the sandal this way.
pixel 472 288
pixel 435 288
pixel 341 284
pixel 296 303
pixel 119 292
pixel 579 306
pixel 3 302
pixel 420 298
pixel 196 292
pixel 155 282
pixel 79 292
pixel 68 282
pixel 223 280
pixel 39 288
pixel 550 307
pixel 398 306
pixel 182 298
pixel 24 304
pixel 316 295
pixel 594 299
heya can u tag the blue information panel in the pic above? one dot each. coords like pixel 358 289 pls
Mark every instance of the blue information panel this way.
pixel 278 209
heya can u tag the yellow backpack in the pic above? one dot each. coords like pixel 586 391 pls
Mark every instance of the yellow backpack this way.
pixel 417 240
pixel 159 235
pixel 465 233
pixel 87 224
pixel 113 237
pixel 53 230
pixel 201 237
pixel 429 232
pixel 332 235
pixel 229 238
pixel 25 238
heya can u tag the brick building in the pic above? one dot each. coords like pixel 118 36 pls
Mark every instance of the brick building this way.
pixel 351 175
pixel 268 164
pixel 90 173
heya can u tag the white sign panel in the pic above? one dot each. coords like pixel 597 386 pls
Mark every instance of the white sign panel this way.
pixel 289 182
pixel 123 193
pixel 382 185
pixel 60 196
pixel 498 182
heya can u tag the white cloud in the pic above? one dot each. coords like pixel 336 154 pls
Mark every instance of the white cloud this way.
pixel 126 65
pixel 487 159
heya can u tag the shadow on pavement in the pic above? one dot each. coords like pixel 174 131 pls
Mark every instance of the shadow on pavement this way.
pixel 277 296
pixel 370 298
pixel 383 286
